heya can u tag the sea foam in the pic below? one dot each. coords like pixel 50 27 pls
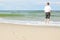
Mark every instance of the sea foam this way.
pixel 27 22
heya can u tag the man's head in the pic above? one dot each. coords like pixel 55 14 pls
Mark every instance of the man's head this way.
pixel 48 3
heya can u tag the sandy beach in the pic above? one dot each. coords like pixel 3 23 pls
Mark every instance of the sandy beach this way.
pixel 28 32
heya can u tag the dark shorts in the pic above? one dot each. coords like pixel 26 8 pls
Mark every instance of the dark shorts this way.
pixel 47 15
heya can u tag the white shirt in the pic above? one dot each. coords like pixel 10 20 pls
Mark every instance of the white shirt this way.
pixel 47 8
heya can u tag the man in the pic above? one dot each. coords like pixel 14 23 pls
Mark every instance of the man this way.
pixel 47 11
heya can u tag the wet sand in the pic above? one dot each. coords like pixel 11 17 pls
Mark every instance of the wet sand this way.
pixel 28 32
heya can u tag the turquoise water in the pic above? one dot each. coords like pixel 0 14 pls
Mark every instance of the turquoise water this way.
pixel 35 15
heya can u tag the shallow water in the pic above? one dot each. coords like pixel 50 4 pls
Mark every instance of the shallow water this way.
pixel 36 15
pixel 29 17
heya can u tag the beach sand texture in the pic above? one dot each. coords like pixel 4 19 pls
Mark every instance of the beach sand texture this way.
pixel 28 32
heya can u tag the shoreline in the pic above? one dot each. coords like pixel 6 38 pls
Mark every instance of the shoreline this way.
pixel 47 26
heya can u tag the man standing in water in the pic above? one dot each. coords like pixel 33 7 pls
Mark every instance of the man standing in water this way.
pixel 47 11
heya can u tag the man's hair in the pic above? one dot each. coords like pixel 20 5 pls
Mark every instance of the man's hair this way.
pixel 48 3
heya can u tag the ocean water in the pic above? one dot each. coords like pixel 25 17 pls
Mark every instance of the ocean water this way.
pixel 28 17
pixel 32 15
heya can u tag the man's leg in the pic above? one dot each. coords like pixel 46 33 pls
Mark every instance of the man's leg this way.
pixel 48 20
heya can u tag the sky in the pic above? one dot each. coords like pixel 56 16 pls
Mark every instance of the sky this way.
pixel 28 4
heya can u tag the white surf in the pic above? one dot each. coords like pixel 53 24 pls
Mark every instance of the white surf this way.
pixel 22 22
